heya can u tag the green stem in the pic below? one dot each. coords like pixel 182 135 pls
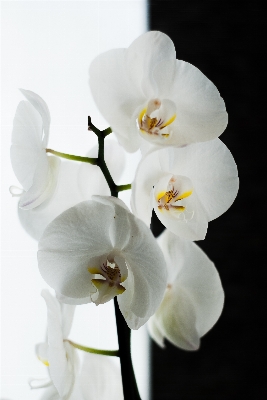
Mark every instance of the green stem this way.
pixel 114 353
pixel 72 157
pixel 120 188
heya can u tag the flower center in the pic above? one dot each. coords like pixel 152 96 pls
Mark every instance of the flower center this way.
pixel 108 285
pixel 156 118
pixel 174 199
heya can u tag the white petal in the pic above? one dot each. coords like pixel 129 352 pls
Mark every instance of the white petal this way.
pixel 177 319
pixel 15 191
pixel 100 379
pixel 61 367
pixel 71 301
pixel 155 332
pixel 40 383
pixel 51 394
pixel 54 327
pixel 144 260
pixel 115 95
pixel 111 202
pixel 66 195
pixel 143 55
pixel 70 243
pixel 119 231
pixel 147 174
pixel 40 105
pixel 41 350
pixel 163 75
pixel 26 143
pixel 190 269
pixel 67 312
pixel 201 113
pixel 44 182
pixel 213 171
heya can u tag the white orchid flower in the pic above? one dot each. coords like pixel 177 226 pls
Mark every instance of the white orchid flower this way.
pixel 56 353
pixel 76 182
pixel 97 250
pixel 98 379
pixel 187 187
pixel 194 296
pixel 144 92
pixel 36 172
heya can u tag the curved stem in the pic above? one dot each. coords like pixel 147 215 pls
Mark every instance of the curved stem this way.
pixel 114 353
pixel 72 157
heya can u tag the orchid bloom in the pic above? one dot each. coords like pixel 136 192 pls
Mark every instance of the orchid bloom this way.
pixel 36 172
pixel 187 187
pixel 144 92
pixel 98 379
pixel 56 353
pixel 76 182
pixel 194 296
pixel 68 379
pixel 97 250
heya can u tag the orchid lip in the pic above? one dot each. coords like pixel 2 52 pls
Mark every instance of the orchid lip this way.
pixel 156 118
pixel 173 198
pixel 107 281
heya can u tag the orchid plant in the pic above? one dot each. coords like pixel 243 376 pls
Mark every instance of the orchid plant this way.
pixel 92 247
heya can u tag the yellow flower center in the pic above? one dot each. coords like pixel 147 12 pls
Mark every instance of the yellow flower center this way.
pixel 172 199
pixel 153 120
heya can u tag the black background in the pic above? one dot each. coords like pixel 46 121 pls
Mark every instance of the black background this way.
pixel 224 40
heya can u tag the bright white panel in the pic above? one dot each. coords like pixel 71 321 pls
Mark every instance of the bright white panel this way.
pixel 47 47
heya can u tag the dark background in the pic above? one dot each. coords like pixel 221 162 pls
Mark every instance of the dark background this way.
pixel 224 40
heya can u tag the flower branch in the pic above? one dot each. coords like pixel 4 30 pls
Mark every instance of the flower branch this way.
pixel 72 157
pixel 114 353
pixel 99 161
pixel 97 131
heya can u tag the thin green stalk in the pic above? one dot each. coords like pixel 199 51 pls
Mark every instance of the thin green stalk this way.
pixel 120 188
pixel 114 353
pixel 72 157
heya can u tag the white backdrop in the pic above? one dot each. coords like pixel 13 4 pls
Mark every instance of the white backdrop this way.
pixel 47 47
